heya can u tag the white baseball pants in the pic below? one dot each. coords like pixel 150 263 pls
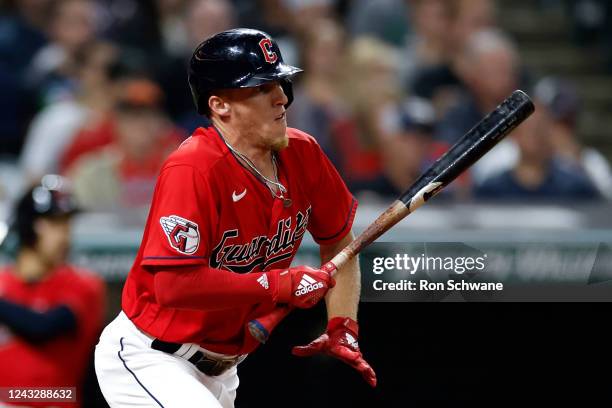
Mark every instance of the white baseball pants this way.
pixel 132 374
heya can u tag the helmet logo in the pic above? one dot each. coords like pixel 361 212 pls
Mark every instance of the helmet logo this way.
pixel 266 46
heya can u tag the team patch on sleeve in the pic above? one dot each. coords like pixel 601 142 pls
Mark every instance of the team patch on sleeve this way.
pixel 183 235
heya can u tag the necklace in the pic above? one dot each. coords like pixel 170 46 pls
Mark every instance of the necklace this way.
pixel 282 190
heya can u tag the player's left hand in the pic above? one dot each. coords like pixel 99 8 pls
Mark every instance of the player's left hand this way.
pixel 340 341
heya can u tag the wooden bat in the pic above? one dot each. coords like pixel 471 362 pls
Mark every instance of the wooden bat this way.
pixel 469 149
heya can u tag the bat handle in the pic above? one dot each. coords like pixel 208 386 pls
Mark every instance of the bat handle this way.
pixel 261 327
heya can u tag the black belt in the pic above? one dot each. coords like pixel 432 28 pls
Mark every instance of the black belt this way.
pixel 207 364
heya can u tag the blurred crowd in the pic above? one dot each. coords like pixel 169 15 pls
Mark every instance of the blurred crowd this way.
pixel 96 90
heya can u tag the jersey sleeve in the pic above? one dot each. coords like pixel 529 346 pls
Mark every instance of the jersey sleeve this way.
pixel 181 219
pixel 333 206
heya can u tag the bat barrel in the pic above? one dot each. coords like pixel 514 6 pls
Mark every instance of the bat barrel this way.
pixel 472 146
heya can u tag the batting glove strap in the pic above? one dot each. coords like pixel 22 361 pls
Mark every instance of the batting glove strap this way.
pixel 343 323
pixel 301 286
pixel 284 287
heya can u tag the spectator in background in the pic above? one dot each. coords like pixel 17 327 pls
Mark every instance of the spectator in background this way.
pixel 560 102
pixel 123 174
pixel 305 14
pixel 207 17
pixel 428 46
pixel 412 143
pixel 489 67
pixel 71 24
pixel 383 19
pixel 134 25
pixel 440 81
pixel 28 17
pixel 51 312
pixel 202 19
pixel 537 175
pixel 171 21
pixel 318 104
pixel 592 28
pixel 21 37
pixel 53 129
pixel 412 148
pixel 470 16
pixel 96 134
pixel 371 90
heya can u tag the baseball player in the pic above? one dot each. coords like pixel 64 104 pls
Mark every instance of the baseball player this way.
pixel 230 208
pixel 51 312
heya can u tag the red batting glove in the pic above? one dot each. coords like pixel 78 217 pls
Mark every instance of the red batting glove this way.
pixel 340 341
pixel 301 286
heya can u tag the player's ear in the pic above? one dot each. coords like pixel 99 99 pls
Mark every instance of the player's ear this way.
pixel 219 106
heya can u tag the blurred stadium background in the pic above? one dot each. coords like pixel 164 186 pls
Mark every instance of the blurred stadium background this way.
pixel 96 90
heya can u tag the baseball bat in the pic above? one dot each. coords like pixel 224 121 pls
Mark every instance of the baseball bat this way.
pixel 469 149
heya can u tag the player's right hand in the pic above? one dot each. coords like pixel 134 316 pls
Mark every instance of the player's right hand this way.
pixel 301 286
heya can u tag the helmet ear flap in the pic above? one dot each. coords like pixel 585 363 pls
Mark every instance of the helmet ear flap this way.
pixel 288 90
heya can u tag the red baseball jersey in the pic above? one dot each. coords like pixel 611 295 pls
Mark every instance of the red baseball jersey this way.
pixel 61 361
pixel 209 210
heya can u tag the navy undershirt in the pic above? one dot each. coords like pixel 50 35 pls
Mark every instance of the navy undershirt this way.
pixel 34 326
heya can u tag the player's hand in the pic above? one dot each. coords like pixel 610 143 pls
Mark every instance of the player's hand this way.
pixel 340 341
pixel 302 286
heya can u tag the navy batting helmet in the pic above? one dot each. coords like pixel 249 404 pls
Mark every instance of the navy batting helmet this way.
pixel 238 58
pixel 49 199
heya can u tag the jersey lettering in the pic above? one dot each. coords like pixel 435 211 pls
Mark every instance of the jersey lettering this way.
pixel 260 250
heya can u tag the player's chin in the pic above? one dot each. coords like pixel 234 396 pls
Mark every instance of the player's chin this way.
pixel 280 143
pixel 279 140
pixel 57 256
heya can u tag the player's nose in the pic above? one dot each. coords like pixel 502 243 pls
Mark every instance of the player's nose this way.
pixel 279 95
